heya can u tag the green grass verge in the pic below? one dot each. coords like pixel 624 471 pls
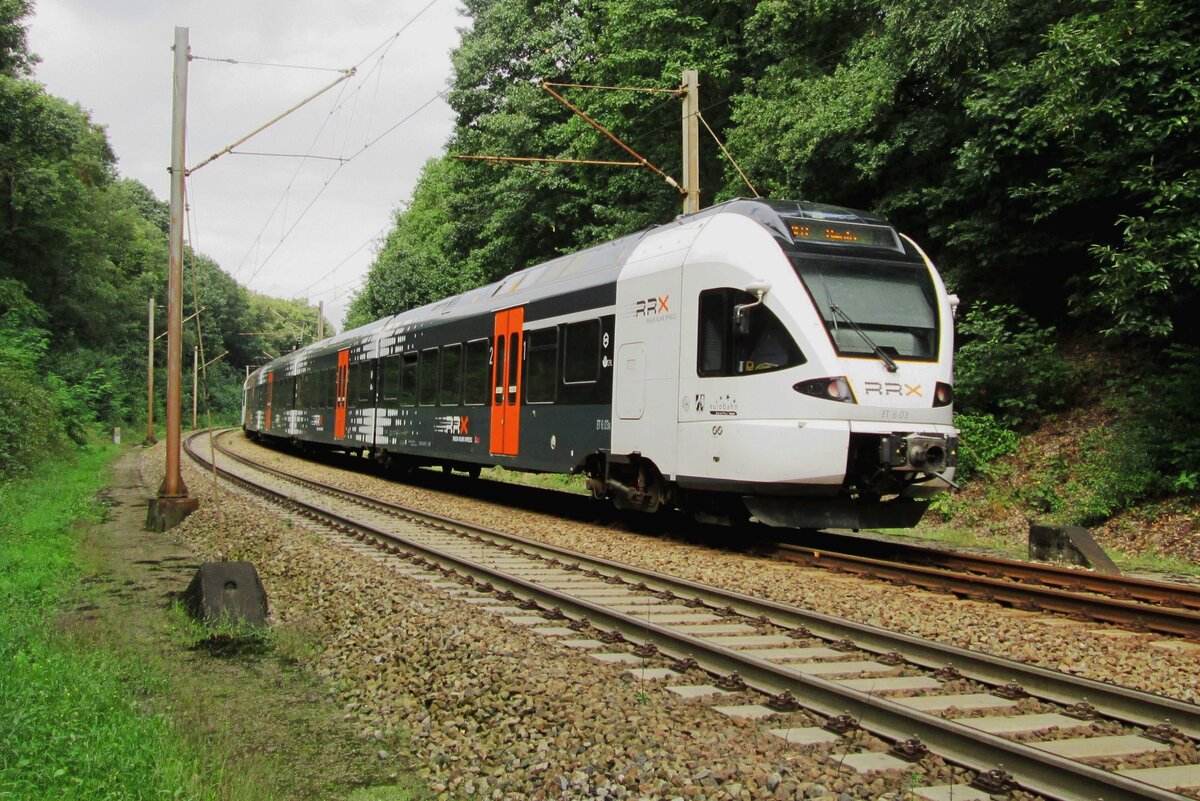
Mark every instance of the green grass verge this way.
pixel 72 726
pixel 957 537
pixel 555 481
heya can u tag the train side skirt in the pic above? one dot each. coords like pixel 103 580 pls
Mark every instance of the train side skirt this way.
pixel 834 512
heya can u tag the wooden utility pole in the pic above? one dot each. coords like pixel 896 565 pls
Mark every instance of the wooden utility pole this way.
pixel 320 320
pixel 691 141
pixel 173 503
pixel 150 440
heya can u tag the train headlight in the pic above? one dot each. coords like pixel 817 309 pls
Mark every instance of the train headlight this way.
pixel 943 395
pixel 836 388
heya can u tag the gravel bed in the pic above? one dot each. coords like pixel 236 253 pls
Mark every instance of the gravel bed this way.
pixel 490 710
pixel 1085 649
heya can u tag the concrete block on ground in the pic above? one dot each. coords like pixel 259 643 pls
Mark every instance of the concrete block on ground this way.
pixel 1072 544
pixel 230 591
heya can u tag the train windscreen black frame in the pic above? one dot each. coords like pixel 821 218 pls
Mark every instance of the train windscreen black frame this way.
pixel 893 302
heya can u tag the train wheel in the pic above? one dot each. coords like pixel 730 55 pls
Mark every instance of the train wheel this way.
pixel 473 471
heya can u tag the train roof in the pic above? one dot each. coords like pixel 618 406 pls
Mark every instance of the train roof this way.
pixel 581 270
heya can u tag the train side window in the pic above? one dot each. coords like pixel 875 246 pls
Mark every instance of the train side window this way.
pixel 475 373
pixel 364 382
pixel 391 377
pixel 541 365
pixel 429 376
pixel 514 366
pixel 451 375
pixel 714 334
pixel 754 341
pixel 331 388
pixel 498 389
pixel 581 352
pixel 761 342
pixel 408 379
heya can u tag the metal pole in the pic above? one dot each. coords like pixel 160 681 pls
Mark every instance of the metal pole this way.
pixel 691 141
pixel 195 381
pixel 150 440
pixel 173 504
pixel 320 320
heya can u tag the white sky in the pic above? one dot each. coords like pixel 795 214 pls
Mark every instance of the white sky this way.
pixel 114 58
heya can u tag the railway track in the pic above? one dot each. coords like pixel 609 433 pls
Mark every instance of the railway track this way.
pixel 1138 604
pixel 805 663
pixel 1133 603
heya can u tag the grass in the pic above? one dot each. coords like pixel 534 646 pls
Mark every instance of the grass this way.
pixel 73 727
pixel 1151 561
pixel 108 694
pixel 957 537
pixel 1154 562
pixel 556 481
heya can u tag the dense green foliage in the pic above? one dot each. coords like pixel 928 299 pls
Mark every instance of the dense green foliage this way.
pixel 72 728
pixel 81 251
pixel 1042 150
pixel 982 439
pixel 1008 366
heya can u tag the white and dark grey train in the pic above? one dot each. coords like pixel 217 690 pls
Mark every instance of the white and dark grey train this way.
pixel 790 361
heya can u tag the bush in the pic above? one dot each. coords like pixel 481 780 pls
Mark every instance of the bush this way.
pixel 1114 472
pixel 1007 366
pixel 29 424
pixel 1163 418
pixel 982 438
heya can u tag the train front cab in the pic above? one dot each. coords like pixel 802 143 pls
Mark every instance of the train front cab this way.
pixel 749 400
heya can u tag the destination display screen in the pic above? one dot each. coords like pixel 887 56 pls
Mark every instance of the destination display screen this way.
pixel 828 232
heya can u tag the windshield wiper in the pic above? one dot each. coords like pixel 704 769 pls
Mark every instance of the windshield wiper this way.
pixel 888 362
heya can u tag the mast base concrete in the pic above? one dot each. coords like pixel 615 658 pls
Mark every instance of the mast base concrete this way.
pixel 167 513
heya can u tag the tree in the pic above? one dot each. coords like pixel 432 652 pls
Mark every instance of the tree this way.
pixel 1095 138
pixel 15 59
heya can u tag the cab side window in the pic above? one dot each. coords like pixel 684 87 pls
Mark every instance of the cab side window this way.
pixel 738 336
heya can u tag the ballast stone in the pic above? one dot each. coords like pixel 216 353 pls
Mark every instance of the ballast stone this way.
pixel 227 591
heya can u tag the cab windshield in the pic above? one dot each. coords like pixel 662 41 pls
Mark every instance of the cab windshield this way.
pixel 867 303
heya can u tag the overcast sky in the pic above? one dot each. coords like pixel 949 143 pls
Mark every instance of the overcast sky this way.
pixel 248 212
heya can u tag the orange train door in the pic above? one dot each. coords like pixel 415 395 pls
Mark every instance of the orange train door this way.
pixel 339 394
pixel 507 343
pixel 270 387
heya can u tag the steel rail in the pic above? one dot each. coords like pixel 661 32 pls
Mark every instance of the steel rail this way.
pixel 1033 769
pixel 1169 620
pixel 1073 579
pixel 1122 703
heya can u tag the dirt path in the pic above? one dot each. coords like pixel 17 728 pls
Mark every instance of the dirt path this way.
pixel 267 729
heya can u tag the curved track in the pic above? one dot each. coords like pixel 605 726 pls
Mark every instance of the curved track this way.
pixel 719 629
pixel 1135 603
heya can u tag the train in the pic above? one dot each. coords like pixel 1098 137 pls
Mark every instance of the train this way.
pixel 781 361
